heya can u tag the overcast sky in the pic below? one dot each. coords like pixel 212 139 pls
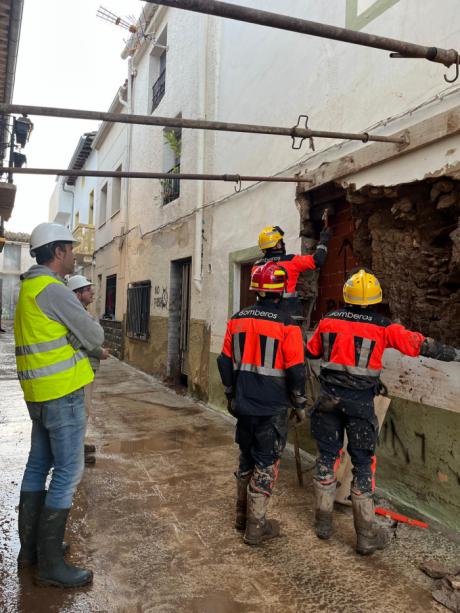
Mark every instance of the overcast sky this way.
pixel 67 58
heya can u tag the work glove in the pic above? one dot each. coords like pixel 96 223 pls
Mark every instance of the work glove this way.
pixel 298 400
pixel 298 415
pixel 325 236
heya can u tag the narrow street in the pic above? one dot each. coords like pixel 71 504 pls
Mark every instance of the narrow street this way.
pixel 154 519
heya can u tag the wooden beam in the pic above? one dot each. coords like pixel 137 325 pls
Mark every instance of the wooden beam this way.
pixel 420 135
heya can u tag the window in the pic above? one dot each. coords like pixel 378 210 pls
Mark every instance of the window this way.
pixel 110 297
pixel 138 310
pixel 12 257
pixel 103 205
pixel 172 147
pixel 116 193
pixel 157 71
pixel 91 208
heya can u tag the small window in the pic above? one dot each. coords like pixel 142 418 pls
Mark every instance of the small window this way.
pixel 110 297
pixel 103 205
pixel 172 149
pixel 138 310
pixel 116 193
pixel 157 70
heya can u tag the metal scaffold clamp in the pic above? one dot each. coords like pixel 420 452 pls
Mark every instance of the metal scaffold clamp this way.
pixel 298 145
pixel 457 71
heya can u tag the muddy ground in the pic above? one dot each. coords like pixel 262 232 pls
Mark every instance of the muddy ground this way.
pixel 154 519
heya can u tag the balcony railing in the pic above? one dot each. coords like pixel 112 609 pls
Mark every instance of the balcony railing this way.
pixel 85 233
pixel 171 187
pixel 158 90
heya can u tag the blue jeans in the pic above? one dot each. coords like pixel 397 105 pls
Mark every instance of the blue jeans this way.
pixel 58 432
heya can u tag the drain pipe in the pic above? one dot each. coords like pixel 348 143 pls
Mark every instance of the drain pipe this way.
pixel 128 105
pixel 70 191
pixel 200 190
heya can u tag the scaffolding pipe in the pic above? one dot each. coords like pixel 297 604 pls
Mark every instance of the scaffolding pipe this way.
pixel 313 28
pixel 200 124
pixel 120 174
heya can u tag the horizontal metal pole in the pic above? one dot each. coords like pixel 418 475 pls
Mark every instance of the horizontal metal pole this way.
pixel 200 124
pixel 313 28
pixel 66 172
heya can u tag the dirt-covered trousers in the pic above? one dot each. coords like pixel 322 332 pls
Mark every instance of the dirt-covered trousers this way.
pixel 354 414
pixel 262 441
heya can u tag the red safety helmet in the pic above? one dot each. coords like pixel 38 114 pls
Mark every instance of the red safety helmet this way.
pixel 269 278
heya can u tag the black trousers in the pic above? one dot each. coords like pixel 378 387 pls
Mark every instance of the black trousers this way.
pixel 261 441
pixel 354 414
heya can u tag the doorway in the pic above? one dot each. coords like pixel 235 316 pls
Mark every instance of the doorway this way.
pixel 179 321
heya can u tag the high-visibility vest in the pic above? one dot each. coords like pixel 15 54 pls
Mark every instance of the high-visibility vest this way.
pixel 48 366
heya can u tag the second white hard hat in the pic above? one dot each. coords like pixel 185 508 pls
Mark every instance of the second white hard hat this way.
pixel 46 233
pixel 77 282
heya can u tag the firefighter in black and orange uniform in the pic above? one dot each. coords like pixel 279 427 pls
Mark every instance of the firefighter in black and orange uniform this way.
pixel 351 342
pixel 271 242
pixel 262 369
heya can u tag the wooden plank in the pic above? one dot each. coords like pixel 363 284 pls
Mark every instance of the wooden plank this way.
pixel 420 135
pixel 423 380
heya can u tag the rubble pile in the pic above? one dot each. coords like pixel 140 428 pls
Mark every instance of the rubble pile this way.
pixel 447 585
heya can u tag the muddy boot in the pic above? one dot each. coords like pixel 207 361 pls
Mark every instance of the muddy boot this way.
pixel 259 529
pixel 324 506
pixel 52 570
pixel 370 536
pixel 241 501
pixel 30 508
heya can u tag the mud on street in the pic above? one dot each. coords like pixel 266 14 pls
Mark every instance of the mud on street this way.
pixel 154 519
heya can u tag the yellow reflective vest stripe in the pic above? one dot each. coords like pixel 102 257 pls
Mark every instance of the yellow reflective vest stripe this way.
pixel 48 366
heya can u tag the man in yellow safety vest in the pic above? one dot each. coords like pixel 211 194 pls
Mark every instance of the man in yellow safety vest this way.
pixel 52 373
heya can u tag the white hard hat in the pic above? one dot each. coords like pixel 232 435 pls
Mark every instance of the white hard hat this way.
pixel 77 282
pixel 46 233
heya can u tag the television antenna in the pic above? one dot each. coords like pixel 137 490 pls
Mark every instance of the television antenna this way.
pixel 137 30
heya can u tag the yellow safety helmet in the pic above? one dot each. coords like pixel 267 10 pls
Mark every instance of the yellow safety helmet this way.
pixel 362 288
pixel 269 237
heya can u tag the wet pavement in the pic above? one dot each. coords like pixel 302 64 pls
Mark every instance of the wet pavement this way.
pixel 154 519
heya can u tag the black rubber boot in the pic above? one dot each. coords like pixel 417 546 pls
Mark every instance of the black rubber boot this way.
pixel 30 508
pixel 241 501
pixel 259 529
pixel 324 506
pixel 52 570
pixel 370 536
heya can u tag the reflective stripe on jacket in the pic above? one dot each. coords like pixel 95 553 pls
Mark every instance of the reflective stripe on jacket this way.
pixel 351 342
pixel 47 364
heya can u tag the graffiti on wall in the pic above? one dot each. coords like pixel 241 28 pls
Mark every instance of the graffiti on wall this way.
pixel 160 297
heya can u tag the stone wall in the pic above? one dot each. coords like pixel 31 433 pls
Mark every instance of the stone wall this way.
pixel 409 236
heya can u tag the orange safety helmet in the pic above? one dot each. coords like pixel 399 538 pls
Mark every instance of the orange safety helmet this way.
pixel 268 278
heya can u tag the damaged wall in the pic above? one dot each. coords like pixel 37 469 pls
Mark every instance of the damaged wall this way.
pixel 409 236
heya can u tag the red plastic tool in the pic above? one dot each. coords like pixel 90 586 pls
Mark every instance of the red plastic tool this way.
pixel 401 518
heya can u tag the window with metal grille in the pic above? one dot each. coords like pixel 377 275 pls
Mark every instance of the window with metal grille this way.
pixel 138 312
